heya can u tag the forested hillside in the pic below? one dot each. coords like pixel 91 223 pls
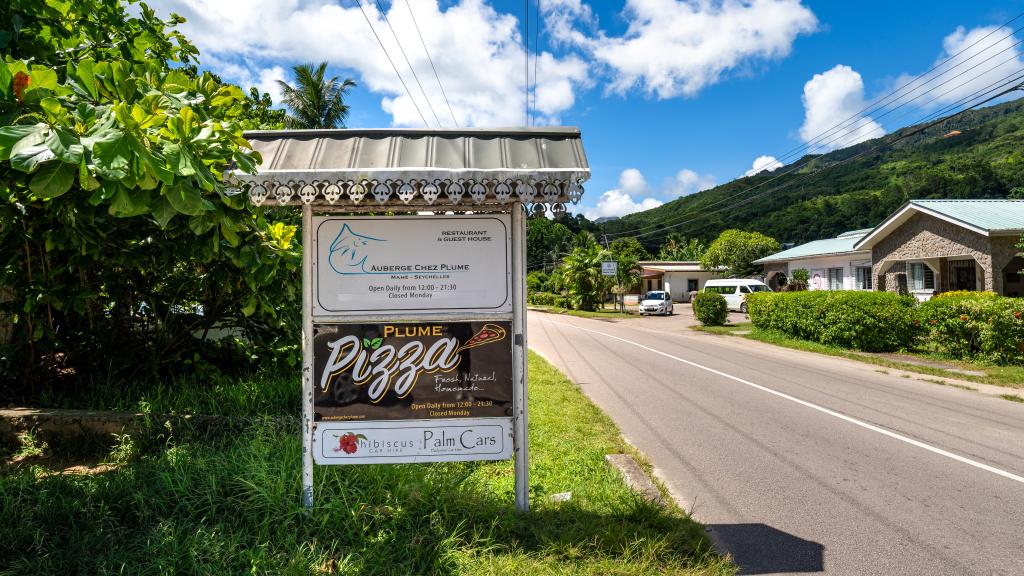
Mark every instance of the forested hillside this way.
pixel 979 154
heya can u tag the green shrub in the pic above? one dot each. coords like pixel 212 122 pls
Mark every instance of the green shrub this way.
pixel 541 298
pixel 871 321
pixel 965 294
pixel 710 308
pixel 974 325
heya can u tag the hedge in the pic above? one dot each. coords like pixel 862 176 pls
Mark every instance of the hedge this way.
pixel 978 326
pixel 548 299
pixel 710 308
pixel 870 321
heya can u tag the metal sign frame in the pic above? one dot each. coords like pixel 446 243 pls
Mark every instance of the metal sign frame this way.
pixel 519 367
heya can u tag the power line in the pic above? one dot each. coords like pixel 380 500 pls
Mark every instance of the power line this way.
pixel 792 168
pixel 395 68
pixel 880 101
pixel 526 67
pixel 406 56
pixel 1014 82
pixel 536 56
pixel 438 78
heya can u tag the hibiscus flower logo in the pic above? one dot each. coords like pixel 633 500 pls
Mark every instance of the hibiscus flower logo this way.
pixel 349 442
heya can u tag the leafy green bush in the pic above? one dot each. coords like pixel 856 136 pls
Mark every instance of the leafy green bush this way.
pixel 548 299
pixel 976 325
pixel 872 321
pixel 710 308
pixel 965 294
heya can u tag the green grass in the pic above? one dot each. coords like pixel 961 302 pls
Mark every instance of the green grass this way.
pixel 1008 376
pixel 232 506
pixel 1012 397
pixel 584 313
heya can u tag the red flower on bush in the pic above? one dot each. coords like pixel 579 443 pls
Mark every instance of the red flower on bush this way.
pixel 21 81
pixel 347 443
pixel 963 317
pixel 934 321
pixel 1017 314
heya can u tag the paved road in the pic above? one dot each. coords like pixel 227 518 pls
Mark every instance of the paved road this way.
pixel 805 463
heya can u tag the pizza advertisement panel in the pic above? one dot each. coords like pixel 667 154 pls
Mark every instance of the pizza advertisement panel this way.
pixel 412 370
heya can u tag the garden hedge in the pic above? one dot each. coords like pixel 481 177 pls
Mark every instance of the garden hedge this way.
pixel 977 326
pixel 870 321
pixel 548 299
pixel 710 308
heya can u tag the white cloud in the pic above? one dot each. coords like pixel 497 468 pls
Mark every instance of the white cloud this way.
pixel 687 182
pixel 618 203
pixel 632 184
pixel 632 181
pixel 478 53
pixel 835 98
pixel 990 55
pixel 677 47
pixel 763 163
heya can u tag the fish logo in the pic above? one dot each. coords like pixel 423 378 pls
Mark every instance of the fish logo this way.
pixel 347 254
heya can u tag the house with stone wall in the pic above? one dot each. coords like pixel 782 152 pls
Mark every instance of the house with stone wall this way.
pixel 930 246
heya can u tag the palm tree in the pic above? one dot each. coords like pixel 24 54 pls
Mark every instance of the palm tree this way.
pixel 315 102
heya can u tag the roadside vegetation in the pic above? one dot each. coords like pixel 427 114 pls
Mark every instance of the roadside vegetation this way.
pixel 231 505
pixel 928 363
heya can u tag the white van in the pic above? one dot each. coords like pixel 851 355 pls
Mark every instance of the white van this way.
pixel 735 291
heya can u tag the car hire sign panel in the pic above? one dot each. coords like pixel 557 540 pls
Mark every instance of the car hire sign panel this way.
pixel 412 441
pixel 412 391
pixel 411 264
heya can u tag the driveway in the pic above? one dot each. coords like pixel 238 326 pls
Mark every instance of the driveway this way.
pixel 801 463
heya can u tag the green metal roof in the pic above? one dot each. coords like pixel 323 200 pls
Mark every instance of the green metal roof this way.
pixel 991 215
pixel 985 217
pixel 843 244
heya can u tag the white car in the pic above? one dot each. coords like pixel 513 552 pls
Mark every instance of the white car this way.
pixel 735 291
pixel 656 302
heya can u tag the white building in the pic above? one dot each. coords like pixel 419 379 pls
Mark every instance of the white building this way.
pixel 676 278
pixel 832 264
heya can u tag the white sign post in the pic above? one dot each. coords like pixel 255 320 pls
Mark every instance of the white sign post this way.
pixel 609 268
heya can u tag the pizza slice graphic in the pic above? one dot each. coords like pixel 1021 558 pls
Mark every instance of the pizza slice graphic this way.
pixel 488 334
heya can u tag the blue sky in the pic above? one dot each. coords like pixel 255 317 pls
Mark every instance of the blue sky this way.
pixel 671 96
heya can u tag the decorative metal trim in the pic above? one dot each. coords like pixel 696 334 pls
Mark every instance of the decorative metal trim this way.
pixel 541 193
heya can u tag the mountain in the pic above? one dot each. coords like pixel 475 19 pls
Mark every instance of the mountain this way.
pixel 979 154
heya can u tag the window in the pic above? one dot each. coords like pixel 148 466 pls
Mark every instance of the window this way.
pixel 720 289
pixel 759 288
pixel 864 277
pixel 921 277
pixel 835 278
pixel 744 290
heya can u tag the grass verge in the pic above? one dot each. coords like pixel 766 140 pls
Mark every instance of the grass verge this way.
pixel 232 506
pixel 583 313
pixel 1008 376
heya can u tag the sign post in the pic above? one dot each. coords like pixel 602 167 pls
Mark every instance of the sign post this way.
pixel 414 323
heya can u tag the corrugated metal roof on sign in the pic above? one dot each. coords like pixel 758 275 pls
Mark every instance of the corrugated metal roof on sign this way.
pixel 841 245
pixel 994 215
pixel 509 149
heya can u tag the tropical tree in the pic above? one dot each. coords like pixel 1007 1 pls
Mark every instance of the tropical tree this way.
pixel 315 101
pixel 678 248
pixel 581 276
pixel 734 252
pixel 627 253
pixel 121 242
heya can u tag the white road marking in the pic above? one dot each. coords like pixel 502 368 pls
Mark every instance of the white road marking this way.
pixel 822 409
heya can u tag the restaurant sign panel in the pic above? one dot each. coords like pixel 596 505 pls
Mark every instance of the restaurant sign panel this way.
pixel 412 265
pixel 412 392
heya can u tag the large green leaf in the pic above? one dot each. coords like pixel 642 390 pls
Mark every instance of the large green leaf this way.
pixel 52 180
pixel 28 157
pixel 126 203
pixel 86 76
pixel 162 211
pixel 43 77
pixel 6 79
pixel 187 200
pixel 11 135
pixel 112 155
pixel 64 145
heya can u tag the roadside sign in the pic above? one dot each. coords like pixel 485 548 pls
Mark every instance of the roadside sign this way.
pixel 412 264
pixel 413 441
pixel 610 268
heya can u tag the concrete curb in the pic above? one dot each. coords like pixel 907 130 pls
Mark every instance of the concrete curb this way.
pixel 635 477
